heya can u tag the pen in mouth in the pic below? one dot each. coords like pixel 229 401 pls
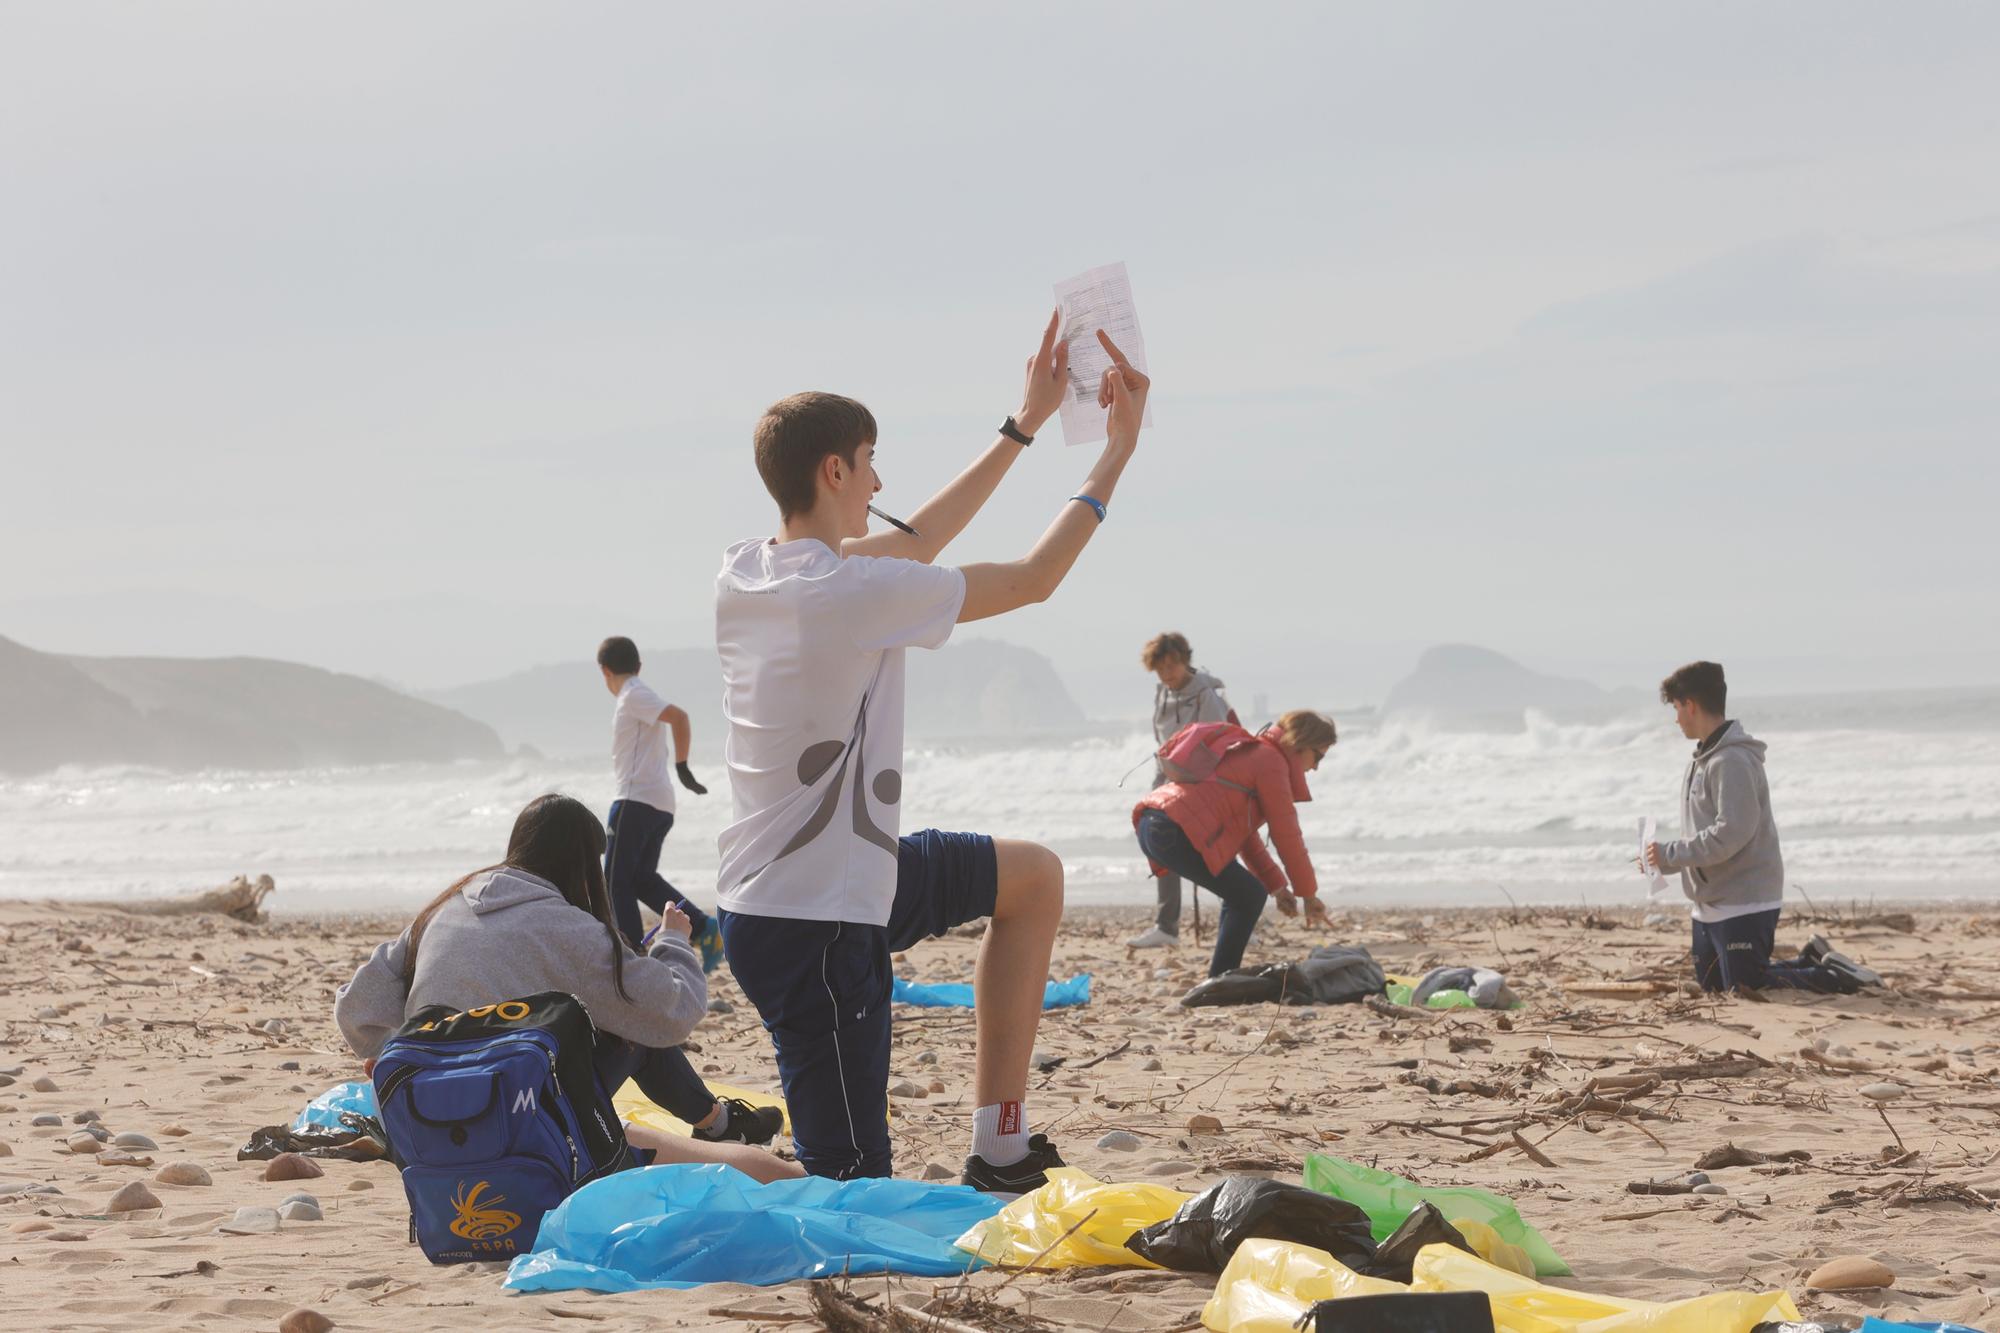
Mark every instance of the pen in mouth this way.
pixel 892 521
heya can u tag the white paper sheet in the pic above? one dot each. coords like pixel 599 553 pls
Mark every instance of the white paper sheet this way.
pixel 1098 298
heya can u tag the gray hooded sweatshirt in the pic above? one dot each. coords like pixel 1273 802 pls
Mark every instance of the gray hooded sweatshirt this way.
pixel 1728 859
pixel 507 934
pixel 1200 700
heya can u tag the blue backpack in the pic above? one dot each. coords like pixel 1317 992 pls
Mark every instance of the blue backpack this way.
pixel 496 1115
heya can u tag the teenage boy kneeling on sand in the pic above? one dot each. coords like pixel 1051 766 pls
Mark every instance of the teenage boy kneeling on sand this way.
pixel 1730 866
pixel 816 890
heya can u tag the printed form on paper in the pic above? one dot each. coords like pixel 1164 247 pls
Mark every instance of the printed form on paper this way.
pixel 1098 298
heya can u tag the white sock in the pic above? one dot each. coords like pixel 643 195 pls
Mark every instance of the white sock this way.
pixel 720 1125
pixel 1000 1133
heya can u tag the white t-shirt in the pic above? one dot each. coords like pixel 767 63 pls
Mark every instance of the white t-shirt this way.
pixel 639 748
pixel 812 684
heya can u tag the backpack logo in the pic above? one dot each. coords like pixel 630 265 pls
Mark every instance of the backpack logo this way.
pixel 524 1100
pixel 480 1218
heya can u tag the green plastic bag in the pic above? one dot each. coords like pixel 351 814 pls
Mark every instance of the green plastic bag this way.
pixel 1388 1199
pixel 1398 993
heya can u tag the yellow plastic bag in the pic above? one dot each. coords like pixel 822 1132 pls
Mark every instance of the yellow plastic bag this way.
pixel 1034 1222
pixel 1524 1305
pixel 634 1108
pixel 1270 1284
pixel 1488 1245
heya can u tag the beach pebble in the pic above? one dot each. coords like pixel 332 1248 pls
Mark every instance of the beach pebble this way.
pixel 45 1015
pixel 15 1187
pixel 45 1119
pixel 291 1166
pixel 1163 974
pixel 65 1235
pixel 134 1197
pixel 938 1171
pixel 1851 1273
pixel 274 1026
pixel 718 1005
pixel 927 1057
pixel 905 1089
pixel 1708 1187
pixel 6 1080
pixel 84 1141
pixel 1041 1059
pixel 251 1222
pixel 6 1150
pixel 44 1084
pixel 119 1157
pixel 1697 1177
pixel 1119 1140
pixel 85 1117
pixel 299 1210
pixel 359 1184
pixel 1883 1092
pixel 1173 1167
pixel 1204 1124
pixel 15 1071
pixel 288 1066
pixel 137 1142
pixel 1151 1067
pixel 936 1085
pixel 304 1320
pixel 182 1173
pixel 176 1132
pixel 28 1224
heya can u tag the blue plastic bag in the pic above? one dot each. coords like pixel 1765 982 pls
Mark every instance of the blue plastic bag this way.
pixel 1873 1325
pixel 958 995
pixel 685 1225
pixel 323 1111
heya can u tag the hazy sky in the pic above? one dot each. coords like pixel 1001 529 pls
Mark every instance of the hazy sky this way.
pixel 426 340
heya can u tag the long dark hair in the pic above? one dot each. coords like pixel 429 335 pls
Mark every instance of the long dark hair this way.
pixel 558 839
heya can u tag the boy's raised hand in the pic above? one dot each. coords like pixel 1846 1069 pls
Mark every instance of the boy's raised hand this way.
pixel 1047 379
pixel 1124 392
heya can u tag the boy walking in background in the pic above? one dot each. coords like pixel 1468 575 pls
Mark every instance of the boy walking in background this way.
pixel 817 889
pixel 642 802
pixel 1185 695
pixel 1728 858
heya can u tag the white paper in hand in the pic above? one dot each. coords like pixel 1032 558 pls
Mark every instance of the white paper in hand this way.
pixel 1098 298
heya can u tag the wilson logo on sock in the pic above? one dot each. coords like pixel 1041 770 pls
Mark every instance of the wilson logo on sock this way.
pixel 1010 1117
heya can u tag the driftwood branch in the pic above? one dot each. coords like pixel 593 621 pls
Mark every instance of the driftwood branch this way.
pixel 240 898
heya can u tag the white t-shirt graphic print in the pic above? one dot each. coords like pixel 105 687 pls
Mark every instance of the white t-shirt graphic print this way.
pixel 812 650
pixel 639 748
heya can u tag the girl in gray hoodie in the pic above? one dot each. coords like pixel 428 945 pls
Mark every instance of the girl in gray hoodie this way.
pixel 541 920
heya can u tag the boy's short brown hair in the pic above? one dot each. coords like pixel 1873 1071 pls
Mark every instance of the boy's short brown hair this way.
pixel 1161 648
pixel 1699 683
pixel 795 435
pixel 619 655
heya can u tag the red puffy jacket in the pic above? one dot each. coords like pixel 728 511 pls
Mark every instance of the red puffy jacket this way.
pixel 1222 822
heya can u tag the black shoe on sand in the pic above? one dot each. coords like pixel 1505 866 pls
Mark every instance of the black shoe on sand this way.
pixel 1861 977
pixel 754 1125
pixel 1816 949
pixel 1016 1178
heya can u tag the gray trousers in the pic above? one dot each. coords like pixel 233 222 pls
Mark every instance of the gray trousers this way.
pixel 1168 915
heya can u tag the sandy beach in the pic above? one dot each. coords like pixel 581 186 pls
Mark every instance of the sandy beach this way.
pixel 163 1027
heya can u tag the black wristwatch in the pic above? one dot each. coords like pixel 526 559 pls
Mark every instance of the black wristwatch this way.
pixel 1013 432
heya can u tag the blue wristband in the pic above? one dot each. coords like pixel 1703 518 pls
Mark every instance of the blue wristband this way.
pixel 1096 506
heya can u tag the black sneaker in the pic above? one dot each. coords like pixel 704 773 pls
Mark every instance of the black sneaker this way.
pixel 755 1125
pixel 1016 1178
pixel 1816 949
pixel 1839 963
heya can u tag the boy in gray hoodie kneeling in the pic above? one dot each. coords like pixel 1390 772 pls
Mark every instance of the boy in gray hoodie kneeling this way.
pixel 1728 857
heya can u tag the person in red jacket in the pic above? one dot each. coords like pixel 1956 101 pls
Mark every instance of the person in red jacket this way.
pixel 1197 830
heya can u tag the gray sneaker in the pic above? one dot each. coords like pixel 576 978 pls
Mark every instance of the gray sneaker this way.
pixel 1153 938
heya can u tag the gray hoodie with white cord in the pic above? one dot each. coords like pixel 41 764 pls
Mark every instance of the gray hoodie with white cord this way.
pixel 508 934
pixel 1728 858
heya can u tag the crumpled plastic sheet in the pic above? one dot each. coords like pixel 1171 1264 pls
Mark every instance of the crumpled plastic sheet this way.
pixel 685 1225
pixel 1035 1221
pixel 1269 1285
pixel 1388 1199
pixel 323 1111
pixel 958 994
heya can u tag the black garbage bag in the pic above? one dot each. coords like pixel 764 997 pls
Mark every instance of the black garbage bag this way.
pixel 1418 1312
pixel 360 1138
pixel 1208 1228
pixel 1794 1326
pixel 1330 974
pixel 1395 1256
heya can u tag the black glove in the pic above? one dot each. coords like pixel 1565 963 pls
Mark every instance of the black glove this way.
pixel 686 775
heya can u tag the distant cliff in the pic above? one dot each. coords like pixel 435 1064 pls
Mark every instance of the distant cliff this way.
pixel 978 688
pixel 232 712
pixel 1464 686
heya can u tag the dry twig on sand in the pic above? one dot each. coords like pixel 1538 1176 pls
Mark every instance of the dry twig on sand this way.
pixel 240 899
